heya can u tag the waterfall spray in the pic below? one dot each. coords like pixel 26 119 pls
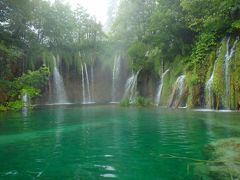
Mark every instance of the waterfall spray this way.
pixel 227 60
pixel 59 89
pixel 178 92
pixel 159 92
pixel 86 89
pixel 115 77
pixel 131 88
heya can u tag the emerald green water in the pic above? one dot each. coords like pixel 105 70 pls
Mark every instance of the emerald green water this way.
pixel 104 142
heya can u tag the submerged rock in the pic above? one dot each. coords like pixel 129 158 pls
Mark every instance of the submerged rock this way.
pixel 224 160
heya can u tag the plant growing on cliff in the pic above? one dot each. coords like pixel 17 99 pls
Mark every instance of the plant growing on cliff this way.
pixel 30 83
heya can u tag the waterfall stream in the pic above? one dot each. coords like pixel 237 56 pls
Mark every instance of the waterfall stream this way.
pixel 159 92
pixel 86 89
pixel 178 92
pixel 115 77
pixel 209 85
pixel 131 88
pixel 59 89
pixel 227 60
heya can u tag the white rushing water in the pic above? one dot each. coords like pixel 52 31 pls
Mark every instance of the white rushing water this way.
pixel 159 92
pixel 115 77
pixel 92 82
pixel 59 89
pixel 131 88
pixel 25 100
pixel 209 84
pixel 88 84
pixel 83 86
pixel 178 91
pixel 86 90
pixel 227 60
pixel 180 85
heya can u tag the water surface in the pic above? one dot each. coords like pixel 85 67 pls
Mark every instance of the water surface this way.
pixel 108 142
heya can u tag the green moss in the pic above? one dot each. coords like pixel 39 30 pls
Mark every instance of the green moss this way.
pixel 15 105
pixel 218 83
pixel 125 103
pixel 235 79
pixel 141 101
pixel 3 108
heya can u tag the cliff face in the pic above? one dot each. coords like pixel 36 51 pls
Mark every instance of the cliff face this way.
pixel 217 87
pixel 97 79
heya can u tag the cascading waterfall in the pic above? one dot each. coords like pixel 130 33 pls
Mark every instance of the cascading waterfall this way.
pixel 92 83
pixel 131 88
pixel 86 84
pixel 59 89
pixel 178 92
pixel 115 77
pixel 209 85
pixel 159 92
pixel 83 86
pixel 227 60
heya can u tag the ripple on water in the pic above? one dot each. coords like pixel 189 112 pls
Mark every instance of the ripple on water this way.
pixel 108 155
pixel 11 173
pixel 107 168
pixel 108 175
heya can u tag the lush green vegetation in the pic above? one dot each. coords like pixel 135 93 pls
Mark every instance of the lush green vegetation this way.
pixel 154 35
pixel 31 32
pixel 181 35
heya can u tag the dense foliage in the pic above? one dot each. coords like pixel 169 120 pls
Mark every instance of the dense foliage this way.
pixel 182 35
pixel 31 32
pixel 154 35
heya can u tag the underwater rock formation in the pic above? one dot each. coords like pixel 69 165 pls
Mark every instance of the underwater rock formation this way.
pixel 224 160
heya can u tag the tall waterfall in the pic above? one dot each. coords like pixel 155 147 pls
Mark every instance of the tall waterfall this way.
pixel 159 92
pixel 92 82
pixel 115 77
pixel 86 92
pixel 209 85
pixel 131 88
pixel 227 60
pixel 59 89
pixel 178 92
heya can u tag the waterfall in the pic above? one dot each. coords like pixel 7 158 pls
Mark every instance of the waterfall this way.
pixel 209 85
pixel 227 60
pixel 115 77
pixel 159 92
pixel 83 86
pixel 86 84
pixel 92 83
pixel 178 92
pixel 25 100
pixel 26 103
pixel 131 88
pixel 59 89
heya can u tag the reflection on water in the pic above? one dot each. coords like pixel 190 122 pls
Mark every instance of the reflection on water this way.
pixel 97 142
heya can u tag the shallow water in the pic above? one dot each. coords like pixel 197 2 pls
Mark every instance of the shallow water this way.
pixel 108 142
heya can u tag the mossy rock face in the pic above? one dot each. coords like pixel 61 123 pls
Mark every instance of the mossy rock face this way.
pixel 224 160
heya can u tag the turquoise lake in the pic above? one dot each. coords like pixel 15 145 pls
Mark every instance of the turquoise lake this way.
pixel 108 142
